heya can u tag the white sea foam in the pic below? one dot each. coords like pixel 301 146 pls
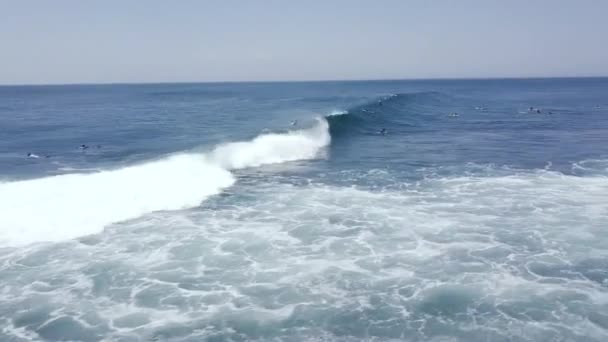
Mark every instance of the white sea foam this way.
pixel 274 148
pixel 68 206
pixel 476 255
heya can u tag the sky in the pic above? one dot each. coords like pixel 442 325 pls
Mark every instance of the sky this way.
pixel 115 41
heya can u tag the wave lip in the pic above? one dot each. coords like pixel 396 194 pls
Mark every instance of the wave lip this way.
pixel 337 113
pixel 69 206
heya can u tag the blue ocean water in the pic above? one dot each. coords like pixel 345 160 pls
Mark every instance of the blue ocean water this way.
pixel 282 211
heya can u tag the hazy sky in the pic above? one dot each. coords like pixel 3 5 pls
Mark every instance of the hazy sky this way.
pixel 71 41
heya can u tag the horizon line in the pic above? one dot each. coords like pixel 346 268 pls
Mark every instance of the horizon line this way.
pixel 300 81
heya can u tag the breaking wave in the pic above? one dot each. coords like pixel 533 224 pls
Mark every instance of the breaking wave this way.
pixel 68 206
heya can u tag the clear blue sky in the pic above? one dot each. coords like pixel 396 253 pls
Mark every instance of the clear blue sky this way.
pixel 74 41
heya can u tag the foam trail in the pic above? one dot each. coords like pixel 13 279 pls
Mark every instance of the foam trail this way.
pixel 68 206
pixel 274 148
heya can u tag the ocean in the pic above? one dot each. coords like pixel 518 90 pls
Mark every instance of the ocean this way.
pixel 423 210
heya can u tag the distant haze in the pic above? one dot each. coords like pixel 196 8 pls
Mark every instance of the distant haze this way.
pixel 75 41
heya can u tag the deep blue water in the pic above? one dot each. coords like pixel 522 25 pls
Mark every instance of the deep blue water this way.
pixel 200 212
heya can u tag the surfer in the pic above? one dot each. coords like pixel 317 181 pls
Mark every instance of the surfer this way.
pixel 32 155
pixel 383 131
pixel 84 147
pixel 294 122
